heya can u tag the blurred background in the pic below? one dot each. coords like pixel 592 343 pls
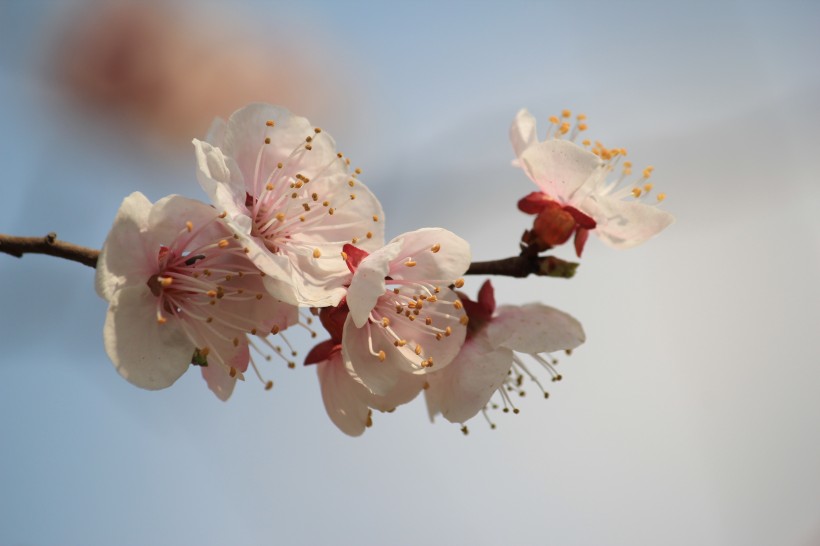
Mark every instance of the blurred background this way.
pixel 690 416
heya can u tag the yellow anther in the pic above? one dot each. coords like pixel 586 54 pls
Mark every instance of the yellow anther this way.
pixel 352 196
pixel 457 304
pixel 301 218
pixel 259 296
pixel 317 253
pixel 410 263
pixel 636 192
pixel 253 331
pixel 436 247
pixel 464 320
pixel 375 218
pixel 280 165
pixel 317 130
pixel 162 320
pixel 211 293
pixel 274 330
pixel 308 147
pixel 585 142
pixel 448 331
pixel 306 207
pixel 358 170
pixel 648 187
pixel 267 140
pixel 369 235
pixel 331 210
pixel 165 282
pixel 647 172
pixel 382 356
pixel 309 139
pixel 236 342
pixel 627 164
pixel 564 129
pixel 223 243
pixel 581 117
pixel 189 226
pixel 565 113
pixel 428 321
pixel 351 183
pixel 269 186
pixel 432 299
pixel 661 196
pixel 232 373
pixel 459 283
pixel 223 214
pixel 582 127
pixel 417 350
pixel 344 255
pixel 280 216
pixel 554 119
pixel 438 336
pixel 268 385
pixel 354 240
pixel 270 123
pixel 385 322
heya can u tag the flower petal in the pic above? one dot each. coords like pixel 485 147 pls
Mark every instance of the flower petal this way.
pixel 148 354
pixel 463 388
pixel 125 259
pixel 367 284
pixel 430 254
pixel 218 378
pixel 342 396
pixel 624 224
pixel 360 347
pixel 523 131
pixel 559 167
pixel 534 328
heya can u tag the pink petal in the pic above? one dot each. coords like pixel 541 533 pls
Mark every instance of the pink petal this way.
pixel 464 387
pixel 534 328
pixel 430 255
pixel 624 224
pixel 367 285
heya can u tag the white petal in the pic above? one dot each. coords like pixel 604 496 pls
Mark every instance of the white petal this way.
pixel 534 328
pixel 559 167
pixel 624 224
pixel 245 138
pixel 379 376
pixel 125 259
pixel 523 131
pixel 216 132
pixel 148 354
pixel 217 376
pixel 367 284
pixel 342 396
pixel 435 254
pixel 405 390
pixel 464 387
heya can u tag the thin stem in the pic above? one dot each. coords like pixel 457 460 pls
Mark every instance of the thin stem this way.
pixel 17 246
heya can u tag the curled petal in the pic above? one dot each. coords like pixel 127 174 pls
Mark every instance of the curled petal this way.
pixel 522 132
pixel 367 285
pixel 534 328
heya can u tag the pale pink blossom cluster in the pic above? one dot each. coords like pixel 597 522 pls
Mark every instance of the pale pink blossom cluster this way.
pixel 292 233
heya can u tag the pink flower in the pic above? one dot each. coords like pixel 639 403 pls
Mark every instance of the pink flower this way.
pixel 290 199
pixel 347 402
pixel 179 288
pixel 484 364
pixel 576 194
pixel 403 317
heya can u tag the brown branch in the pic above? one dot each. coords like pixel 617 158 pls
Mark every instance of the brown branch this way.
pixel 17 246
pixel 517 266
pixel 524 265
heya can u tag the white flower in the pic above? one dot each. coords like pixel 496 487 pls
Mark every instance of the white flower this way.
pixel 177 284
pixel 403 317
pixel 577 179
pixel 483 366
pixel 291 199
